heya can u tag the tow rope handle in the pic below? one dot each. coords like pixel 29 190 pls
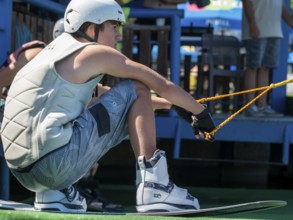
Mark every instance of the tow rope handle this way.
pixel 209 136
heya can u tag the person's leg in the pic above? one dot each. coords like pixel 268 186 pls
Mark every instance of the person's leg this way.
pixel 141 123
pixel 270 61
pixel 250 78
pixel 95 131
pixel 263 79
pixel 254 54
pixel 155 191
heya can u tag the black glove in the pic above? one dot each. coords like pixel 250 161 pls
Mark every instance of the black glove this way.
pixel 203 122
pixel 184 114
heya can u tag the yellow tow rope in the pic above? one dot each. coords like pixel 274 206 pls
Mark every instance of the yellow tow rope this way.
pixel 210 136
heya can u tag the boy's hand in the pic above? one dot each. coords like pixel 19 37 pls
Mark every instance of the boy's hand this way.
pixel 201 123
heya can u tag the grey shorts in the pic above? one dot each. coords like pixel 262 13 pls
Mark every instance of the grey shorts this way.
pixel 95 131
pixel 262 52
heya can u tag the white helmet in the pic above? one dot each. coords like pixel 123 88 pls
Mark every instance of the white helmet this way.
pixel 58 28
pixel 95 11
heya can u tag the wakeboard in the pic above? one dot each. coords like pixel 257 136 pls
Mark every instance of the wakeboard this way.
pixel 222 210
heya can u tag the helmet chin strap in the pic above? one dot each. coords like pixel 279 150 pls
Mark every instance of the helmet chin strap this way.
pixel 97 29
pixel 84 35
pixel 81 34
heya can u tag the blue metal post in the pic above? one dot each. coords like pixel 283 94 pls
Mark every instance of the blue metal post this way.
pixel 175 49
pixel 5 28
pixel 177 140
pixel 5 42
pixel 5 177
pixel 286 144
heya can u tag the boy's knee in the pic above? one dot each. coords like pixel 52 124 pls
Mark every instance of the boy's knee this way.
pixel 141 88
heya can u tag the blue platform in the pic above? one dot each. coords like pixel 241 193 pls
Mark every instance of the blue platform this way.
pixel 240 129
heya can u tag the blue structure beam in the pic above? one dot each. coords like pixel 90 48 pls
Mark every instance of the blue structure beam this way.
pixel 49 5
pixel 5 41
pixel 5 28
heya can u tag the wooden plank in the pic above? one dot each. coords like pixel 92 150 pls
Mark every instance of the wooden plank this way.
pixel 127 41
pixel 187 70
pixel 145 47
pixel 145 42
pixel 33 27
pixel 40 29
pixel 27 20
pixel 162 61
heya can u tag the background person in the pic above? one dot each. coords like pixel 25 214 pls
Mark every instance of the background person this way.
pixel 261 34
